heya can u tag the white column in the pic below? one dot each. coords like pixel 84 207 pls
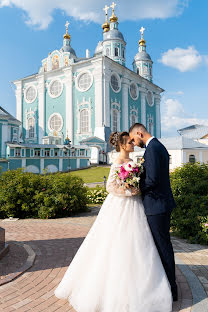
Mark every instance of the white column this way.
pixel 201 157
pixel 183 158
pixel 69 104
pixel 125 105
pixel 143 107
pixel 24 163
pixel 18 94
pixel 41 108
pixel 5 138
pixel 158 118
pixel 106 97
pixel 98 81
pixel 41 165
pixel 60 164
pixel 78 162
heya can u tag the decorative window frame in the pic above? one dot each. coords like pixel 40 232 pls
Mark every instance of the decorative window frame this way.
pixel 150 118
pixel 25 92
pixel 109 50
pixel 117 48
pixel 49 88
pixel 134 112
pixel 119 82
pixel 15 134
pixel 49 120
pixel 137 90
pixel 116 107
pixel 78 77
pixel 32 152
pixel 151 105
pixel 80 106
pixel 31 114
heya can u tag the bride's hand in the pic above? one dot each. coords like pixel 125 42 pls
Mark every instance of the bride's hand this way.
pixel 135 191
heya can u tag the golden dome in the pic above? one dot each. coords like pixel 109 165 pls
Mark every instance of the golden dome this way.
pixel 113 18
pixel 106 26
pixel 142 42
pixel 67 36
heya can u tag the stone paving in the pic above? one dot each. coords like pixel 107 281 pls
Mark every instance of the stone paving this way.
pixel 55 243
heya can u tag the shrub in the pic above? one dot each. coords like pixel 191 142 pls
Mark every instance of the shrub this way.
pixel 190 189
pixel 26 195
pixel 96 195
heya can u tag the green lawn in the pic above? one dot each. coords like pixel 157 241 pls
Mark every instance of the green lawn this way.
pixel 90 175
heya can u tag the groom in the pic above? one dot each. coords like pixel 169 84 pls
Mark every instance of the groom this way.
pixel 157 197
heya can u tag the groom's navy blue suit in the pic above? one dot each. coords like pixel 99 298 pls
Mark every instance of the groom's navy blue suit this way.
pixel 158 203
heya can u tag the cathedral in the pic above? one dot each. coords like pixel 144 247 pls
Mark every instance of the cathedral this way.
pixel 85 99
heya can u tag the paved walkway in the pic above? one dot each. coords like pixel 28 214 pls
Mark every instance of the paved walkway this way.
pixel 55 242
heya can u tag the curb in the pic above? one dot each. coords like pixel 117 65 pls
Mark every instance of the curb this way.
pixel 200 300
pixel 29 262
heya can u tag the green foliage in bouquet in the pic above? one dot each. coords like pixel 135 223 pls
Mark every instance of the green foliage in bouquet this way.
pixel 190 189
pixel 96 195
pixel 28 195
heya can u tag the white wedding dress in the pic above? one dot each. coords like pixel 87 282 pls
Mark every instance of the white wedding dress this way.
pixel 117 268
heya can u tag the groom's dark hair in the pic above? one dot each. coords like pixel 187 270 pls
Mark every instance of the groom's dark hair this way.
pixel 139 126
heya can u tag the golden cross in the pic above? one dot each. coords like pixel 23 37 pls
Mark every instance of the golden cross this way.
pixel 106 8
pixel 142 31
pixel 113 5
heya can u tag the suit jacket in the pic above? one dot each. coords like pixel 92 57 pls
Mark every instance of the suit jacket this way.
pixel 155 181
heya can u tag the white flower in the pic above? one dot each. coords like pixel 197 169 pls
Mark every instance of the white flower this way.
pixel 132 163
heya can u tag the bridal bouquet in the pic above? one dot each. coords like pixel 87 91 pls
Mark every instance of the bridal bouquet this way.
pixel 129 173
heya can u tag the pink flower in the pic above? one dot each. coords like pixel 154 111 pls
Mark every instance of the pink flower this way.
pixel 123 175
pixel 129 165
pixel 206 225
pixel 43 189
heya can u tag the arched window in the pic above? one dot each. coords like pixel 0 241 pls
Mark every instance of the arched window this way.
pixel 84 121
pixel 115 120
pixel 123 53
pixel 192 159
pixel 138 71
pixel 31 127
pixel 116 51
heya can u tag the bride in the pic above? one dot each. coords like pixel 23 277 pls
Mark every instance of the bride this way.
pixel 117 268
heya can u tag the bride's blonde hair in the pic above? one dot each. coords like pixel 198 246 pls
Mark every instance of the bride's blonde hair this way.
pixel 117 139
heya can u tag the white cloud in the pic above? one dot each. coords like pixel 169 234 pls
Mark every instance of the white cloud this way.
pixel 39 12
pixel 182 59
pixel 174 117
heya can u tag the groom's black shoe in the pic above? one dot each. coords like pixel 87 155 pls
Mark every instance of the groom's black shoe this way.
pixel 175 293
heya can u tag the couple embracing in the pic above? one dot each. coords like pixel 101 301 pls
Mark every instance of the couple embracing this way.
pixel 126 261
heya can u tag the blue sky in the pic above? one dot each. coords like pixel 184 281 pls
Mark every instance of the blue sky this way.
pixel 176 37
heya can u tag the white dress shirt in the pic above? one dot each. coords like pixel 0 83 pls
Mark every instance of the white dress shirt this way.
pixel 152 137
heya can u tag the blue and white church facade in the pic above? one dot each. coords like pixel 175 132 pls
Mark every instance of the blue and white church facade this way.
pixel 88 98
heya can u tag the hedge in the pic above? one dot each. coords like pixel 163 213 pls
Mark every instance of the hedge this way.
pixel 190 189
pixel 28 195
